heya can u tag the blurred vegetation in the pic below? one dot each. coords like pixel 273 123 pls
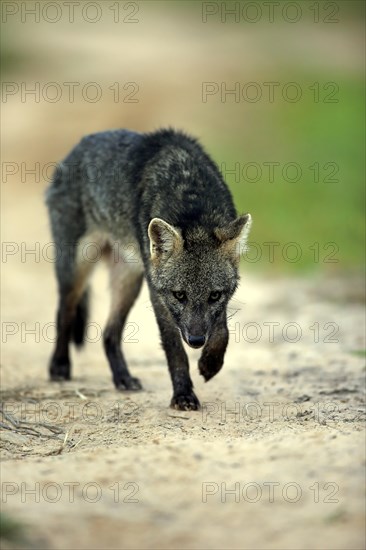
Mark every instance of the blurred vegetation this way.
pixel 327 203
pixel 11 530
pixel 12 58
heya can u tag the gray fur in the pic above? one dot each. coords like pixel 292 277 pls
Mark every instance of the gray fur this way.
pixel 157 206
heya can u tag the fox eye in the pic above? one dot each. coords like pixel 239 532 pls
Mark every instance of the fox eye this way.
pixel 180 296
pixel 215 295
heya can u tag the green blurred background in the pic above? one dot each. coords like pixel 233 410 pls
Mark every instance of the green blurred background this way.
pixel 161 55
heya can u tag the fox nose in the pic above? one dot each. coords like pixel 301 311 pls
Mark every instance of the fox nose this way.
pixel 196 341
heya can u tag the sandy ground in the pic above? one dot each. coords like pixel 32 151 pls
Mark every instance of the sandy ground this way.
pixel 275 458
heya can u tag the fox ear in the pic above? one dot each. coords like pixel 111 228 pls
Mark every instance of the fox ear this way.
pixel 164 239
pixel 233 237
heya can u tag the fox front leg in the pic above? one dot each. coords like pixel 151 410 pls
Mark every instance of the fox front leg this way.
pixel 213 353
pixel 184 398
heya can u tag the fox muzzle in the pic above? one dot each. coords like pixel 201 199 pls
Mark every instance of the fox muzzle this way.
pixel 196 341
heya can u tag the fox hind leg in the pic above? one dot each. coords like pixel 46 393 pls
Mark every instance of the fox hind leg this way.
pixel 73 269
pixel 72 275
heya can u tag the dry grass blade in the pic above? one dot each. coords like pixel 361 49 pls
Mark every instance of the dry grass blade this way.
pixel 28 428
pixel 81 395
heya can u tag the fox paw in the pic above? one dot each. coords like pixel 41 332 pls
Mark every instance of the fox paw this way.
pixel 60 370
pixel 129 384
pixel 187 402
pixel 209 367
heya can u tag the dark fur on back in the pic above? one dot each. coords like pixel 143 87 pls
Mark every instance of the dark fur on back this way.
pixel 194 192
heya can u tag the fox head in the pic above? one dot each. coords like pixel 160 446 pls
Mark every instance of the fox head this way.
pixel 196 276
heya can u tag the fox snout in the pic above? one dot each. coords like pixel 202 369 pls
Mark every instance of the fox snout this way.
pixel 194 338
pixel 196 341
pixel 195 331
